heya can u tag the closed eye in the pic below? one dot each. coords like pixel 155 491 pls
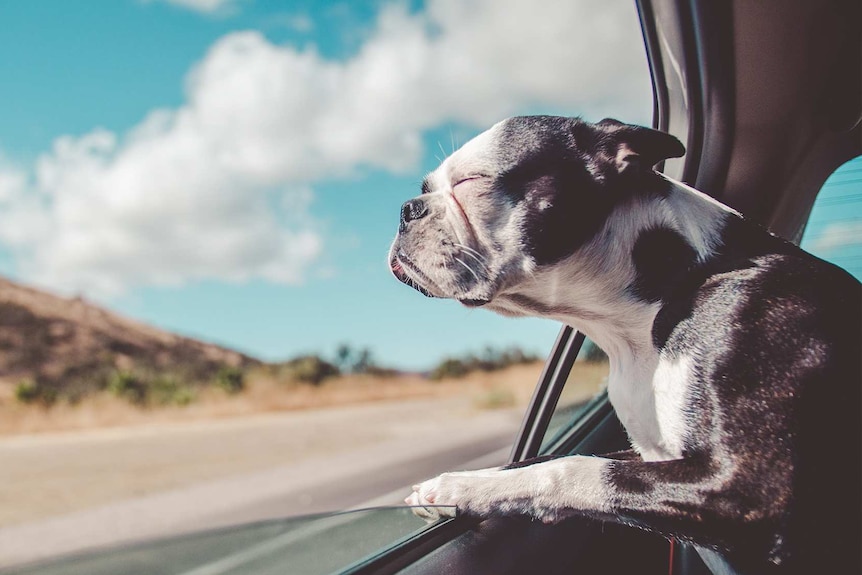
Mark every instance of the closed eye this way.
pixel 468 179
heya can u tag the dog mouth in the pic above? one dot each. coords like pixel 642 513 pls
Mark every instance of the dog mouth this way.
pixel 473 302
pixel 398 262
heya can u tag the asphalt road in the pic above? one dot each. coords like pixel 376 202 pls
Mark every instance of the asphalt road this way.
pixel 383 486
pixel 371 455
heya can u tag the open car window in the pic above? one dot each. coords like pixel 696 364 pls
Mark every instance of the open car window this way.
pixel 557 84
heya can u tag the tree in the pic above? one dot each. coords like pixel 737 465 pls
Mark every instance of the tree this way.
pixel 350 360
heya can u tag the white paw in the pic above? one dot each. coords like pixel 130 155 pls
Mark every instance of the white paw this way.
pixel 431 500
pixel 422 501
pixel 450 493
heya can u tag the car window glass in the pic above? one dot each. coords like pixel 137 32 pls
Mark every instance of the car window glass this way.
pixel 312 545
pixel 834 230
pixel 587 380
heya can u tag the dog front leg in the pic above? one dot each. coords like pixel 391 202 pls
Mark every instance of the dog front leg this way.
pixel 663 496
pixel 548 491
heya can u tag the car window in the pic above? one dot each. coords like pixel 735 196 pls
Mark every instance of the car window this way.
pixel 834 230
pixel 148 434
pixel 584 385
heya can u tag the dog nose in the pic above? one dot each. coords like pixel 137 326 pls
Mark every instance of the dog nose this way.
pixel 412 210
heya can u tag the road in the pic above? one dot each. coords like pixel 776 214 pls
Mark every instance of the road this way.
pixel 67 492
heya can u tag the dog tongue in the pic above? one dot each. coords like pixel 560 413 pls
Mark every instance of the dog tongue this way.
pixel 396 268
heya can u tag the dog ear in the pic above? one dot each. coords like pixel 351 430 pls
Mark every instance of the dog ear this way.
pixel 635 148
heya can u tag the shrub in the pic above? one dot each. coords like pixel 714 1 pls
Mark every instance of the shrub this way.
pixel 183 395
pixel 127 385
pixel 490 359
pixel 450 367
pixel 30 390
pixel 158 389
pixel 230 380
pixel 168 390
pixel 309 369
pixel 27 390
pixel 377 371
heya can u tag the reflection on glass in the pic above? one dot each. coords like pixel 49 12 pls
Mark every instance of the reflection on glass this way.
pixel 309 545
pixel 587 379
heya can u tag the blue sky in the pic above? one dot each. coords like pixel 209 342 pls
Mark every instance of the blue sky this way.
pixel 834 230
pixel 233 170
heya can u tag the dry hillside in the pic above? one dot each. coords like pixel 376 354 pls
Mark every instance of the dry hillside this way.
pixel 69 345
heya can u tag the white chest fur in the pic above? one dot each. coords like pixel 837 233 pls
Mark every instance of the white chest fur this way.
pixel 649 395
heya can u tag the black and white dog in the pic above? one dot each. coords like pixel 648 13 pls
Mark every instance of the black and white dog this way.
pixel 734 356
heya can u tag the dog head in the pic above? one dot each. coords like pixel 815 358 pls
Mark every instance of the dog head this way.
pixel 518 198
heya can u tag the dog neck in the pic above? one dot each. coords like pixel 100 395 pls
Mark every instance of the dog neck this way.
pixel 593 289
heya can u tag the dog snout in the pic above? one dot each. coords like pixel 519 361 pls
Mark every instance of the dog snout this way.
pixel 412 210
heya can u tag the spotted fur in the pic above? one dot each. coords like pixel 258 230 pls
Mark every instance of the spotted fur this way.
pixel 734 356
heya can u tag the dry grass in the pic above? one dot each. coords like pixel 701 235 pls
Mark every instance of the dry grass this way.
pixel 585 380
pixel 72 342
pixel 264 393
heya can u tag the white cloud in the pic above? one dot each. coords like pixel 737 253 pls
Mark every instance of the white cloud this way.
pixel 188 193
pixel 203 6
pixel 157 211
pixel 837 236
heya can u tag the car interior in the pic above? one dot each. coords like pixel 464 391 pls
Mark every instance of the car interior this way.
pixel 767 97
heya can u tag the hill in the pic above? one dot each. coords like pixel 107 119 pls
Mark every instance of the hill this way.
pixel 67 347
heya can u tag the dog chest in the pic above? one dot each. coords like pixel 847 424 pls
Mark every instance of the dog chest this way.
pixel 649 396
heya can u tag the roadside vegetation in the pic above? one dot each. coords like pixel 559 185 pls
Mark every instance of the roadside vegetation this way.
pixel 66 363
pixel 137 393
pixel 489 359
pixel 147 386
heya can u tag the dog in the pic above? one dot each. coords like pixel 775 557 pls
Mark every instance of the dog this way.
pixel 734 355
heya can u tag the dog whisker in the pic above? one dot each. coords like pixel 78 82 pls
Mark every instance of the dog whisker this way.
pixel 467 250
pixel 477 258
pixel 469 269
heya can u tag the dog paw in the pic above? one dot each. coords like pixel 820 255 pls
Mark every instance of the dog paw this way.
pixel 423 503
pixel 451 493
pixel 434 499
